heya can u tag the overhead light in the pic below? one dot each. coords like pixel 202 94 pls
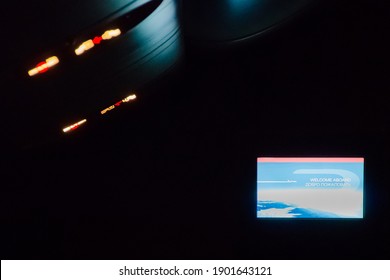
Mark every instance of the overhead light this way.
pixel 74 126
pixel 111 33
pixel 107 109
pixel 84 47
pixel 89 44
pixel 43 66
pixel 129 98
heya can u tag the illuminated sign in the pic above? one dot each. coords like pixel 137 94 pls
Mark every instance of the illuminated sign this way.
pixel 89 44
pixel 74 126
pixel 43 66
pixel 124 100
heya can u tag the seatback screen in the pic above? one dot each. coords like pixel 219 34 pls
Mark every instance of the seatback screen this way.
pixel 310 187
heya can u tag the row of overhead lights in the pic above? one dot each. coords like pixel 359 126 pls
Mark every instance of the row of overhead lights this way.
pixel 83 121
pixel 44 66
pixel 52 61
pixel 89 44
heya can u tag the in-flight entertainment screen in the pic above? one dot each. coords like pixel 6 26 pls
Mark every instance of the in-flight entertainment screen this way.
pixel 310 187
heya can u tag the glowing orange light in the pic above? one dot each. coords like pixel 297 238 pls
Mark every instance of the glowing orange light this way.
pixel 111 33
pixel 74 126
pixel 84 47
pixel 89 44
pixel 127 99
pixel 43 66
pixel 107 109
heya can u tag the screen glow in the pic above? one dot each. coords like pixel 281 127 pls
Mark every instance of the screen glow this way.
pixel 310 187
pixel 43 66
pixel 89 44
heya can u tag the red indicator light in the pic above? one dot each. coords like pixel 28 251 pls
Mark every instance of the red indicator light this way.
pixel 97 40
pixel 42 67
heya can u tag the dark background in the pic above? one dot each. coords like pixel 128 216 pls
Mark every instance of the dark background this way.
pixel 174 175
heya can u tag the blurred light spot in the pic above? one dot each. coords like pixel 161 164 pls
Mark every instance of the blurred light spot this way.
pixel 130 97
pixel 43 66
pixel 74 126
pixel 124 100
pixel 84 47
pixel 97 40
pixel 111 33
pixel 89 44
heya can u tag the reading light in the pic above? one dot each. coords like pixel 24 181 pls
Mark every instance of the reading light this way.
pixel 43 66
pixel 89 44
pixel 74 126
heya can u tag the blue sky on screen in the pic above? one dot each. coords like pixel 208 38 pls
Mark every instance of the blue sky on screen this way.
pixel 310 187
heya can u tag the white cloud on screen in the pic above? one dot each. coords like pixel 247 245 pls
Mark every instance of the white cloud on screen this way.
pixel 279 213
pixel 344 202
